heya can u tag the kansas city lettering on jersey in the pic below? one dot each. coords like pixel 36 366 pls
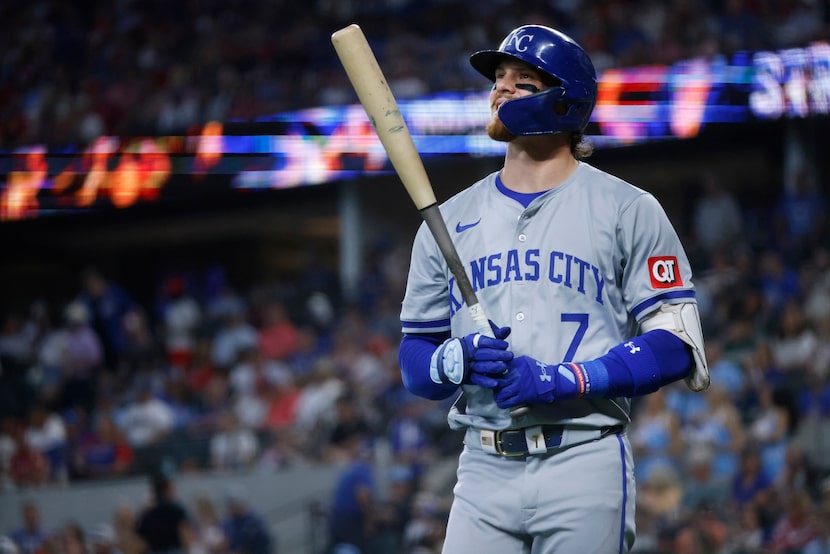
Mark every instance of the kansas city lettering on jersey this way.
pixel 558 268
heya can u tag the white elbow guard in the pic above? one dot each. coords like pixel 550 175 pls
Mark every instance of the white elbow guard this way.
pixel 683 320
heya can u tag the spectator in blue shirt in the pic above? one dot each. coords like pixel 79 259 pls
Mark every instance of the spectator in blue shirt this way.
pixel 350 516
pixel 29 538
pixel 246 532
pixel 108 304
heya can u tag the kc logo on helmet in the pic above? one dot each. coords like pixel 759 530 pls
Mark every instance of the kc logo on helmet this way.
pixel 664 272
pixel 519 41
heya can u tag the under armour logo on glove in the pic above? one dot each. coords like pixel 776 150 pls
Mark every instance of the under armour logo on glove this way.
pixel 544 375
pixel 529 382
pixel 633 348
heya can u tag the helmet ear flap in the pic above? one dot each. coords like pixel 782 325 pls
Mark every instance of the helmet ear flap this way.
pixel 564 66
pixel 546 113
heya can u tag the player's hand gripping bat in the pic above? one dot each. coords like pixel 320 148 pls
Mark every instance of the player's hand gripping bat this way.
pixel 377 99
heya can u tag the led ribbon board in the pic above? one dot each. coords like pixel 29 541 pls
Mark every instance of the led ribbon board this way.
pixel 318 145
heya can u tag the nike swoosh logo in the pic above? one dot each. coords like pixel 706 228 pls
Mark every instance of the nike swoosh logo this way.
pixel 461 228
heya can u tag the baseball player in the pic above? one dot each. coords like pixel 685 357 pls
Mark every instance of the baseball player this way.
pixel 591 302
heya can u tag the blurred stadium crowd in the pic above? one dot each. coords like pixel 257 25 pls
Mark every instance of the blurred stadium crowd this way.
pixel 211 377
pixel 72 71
pixel 214 375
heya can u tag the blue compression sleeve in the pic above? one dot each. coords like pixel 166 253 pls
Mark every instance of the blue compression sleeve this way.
pixel 414 357
pixel 639 366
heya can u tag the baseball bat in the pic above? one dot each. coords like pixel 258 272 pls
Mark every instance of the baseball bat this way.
pixel 376 97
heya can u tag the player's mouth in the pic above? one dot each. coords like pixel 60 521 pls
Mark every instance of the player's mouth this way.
pixel 498 102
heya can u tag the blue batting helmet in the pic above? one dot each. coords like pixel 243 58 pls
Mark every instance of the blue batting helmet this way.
pixel 559 57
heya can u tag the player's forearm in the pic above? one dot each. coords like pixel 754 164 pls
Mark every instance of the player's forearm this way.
pixel 414 358
pixel 636 367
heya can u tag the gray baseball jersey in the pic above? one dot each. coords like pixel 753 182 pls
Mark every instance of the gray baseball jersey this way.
pixel 572 275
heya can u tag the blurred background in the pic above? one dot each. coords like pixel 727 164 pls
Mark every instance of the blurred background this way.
pixel 205 249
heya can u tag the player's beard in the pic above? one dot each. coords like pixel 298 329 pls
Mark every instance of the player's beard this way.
pixel 497 131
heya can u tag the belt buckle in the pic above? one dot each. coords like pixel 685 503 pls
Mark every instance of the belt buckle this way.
pixel 497 444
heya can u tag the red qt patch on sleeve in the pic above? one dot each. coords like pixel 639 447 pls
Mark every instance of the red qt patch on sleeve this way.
pixel 664 272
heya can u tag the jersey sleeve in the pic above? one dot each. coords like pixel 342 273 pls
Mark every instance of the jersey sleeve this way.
pixel 657 270
pixel 426 305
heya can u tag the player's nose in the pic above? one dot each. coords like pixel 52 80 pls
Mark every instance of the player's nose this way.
pixel 504 84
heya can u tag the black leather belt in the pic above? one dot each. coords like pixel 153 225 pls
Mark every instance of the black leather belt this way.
pixel 514 442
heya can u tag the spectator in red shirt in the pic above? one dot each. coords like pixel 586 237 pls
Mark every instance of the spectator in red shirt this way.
pixel 282 398
pixel 279 337
pixel 27 466
pixel 794 530
pixel 200 370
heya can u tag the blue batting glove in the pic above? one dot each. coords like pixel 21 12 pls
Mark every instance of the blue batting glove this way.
pixel 474 359
pixel 530 381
